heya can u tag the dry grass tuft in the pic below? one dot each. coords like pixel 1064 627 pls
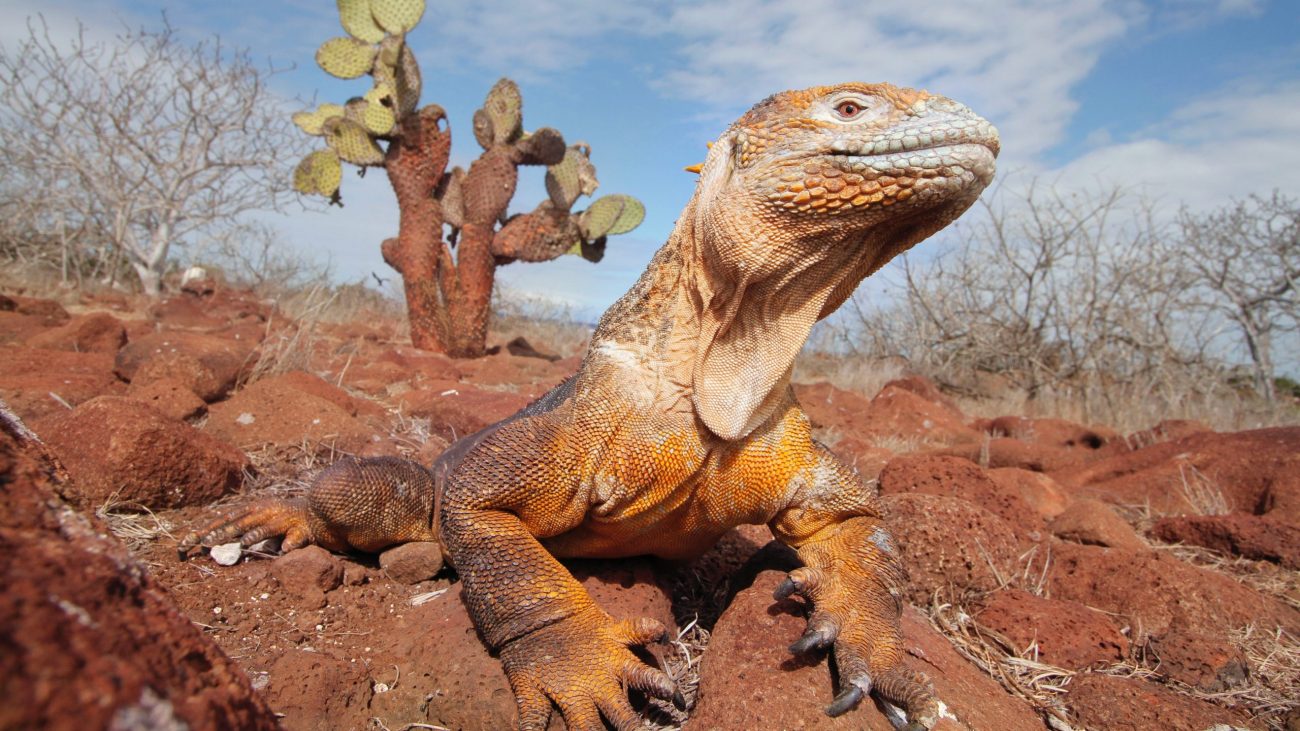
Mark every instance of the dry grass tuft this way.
pixel 1274 657
pixel 1017 669
pixel 133 524
pixel 1202 493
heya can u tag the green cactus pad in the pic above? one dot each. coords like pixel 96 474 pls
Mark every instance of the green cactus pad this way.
pixel 572 177
pixel 311 122
pixel 612 214
pixel 346 58
pixel 504 106
pixel 319 172
pixel 355 110
pixel 358 22
pixel 378 117
pixel 352 142
pixel 397 16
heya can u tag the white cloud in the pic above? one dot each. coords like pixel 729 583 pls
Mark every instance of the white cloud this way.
pixel 1225 145
pixel 1014 62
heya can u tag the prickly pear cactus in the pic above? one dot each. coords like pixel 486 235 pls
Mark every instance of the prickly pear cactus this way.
pixel 448 281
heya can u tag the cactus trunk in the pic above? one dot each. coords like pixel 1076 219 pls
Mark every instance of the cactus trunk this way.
pixel 414 166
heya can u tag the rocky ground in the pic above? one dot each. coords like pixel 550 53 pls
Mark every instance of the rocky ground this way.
pixel 1062 576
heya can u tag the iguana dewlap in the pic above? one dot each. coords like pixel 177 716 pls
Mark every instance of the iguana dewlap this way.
pixel 680 423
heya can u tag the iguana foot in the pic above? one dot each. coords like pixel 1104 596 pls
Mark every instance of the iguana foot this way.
pixel 583 665
pixel 253 523
pixel 862 629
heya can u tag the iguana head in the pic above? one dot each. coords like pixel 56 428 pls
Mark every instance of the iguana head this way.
pixel 798 201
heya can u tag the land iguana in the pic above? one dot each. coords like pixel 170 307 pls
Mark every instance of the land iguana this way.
pixel 681 423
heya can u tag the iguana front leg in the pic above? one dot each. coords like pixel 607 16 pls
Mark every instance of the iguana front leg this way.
pixel 853 577
pixel 556 645
pixel 354 504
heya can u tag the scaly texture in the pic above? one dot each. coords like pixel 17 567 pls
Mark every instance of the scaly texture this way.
pixel 680 424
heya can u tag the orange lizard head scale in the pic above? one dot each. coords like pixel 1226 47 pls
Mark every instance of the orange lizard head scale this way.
pixel 798 201
pixel 838 156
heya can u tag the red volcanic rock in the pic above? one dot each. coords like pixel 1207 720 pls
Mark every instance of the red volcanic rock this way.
pixel 51 312
pixel 456 410
pixel 749 679
pixel 1254 472
pixel 379 378
pixel 307 574
pixel 833 409
pixel 1039 491
pixel 314 691
pixel 210 311
pixel 98 332
pixel 1154 590
pixel 170 397
pixel 1129 704
pixel 1067 634
pixel 960 478
pixel 1095 523
pixel 926 389
pixel 1199 657
pixel 1241 534
pixel 432 366
pixel 271 414
pixel 446 670
pixel 862 456
pixel 530 377
pixel 91 640
pixel 36 382
pixel 1051 432
pixel 310 383
pixel 120 449
pixel 16 328
pixel 949 545
pixel 207 365
pixel 411 563
pixel 895 413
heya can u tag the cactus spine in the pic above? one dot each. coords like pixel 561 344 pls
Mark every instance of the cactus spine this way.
pixel 448 282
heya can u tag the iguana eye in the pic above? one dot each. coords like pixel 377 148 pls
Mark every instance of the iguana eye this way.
pixel 848 109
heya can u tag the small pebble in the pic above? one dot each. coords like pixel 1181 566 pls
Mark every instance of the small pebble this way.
pixel 227 554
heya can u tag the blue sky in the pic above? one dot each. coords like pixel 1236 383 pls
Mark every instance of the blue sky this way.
pixel 1186 101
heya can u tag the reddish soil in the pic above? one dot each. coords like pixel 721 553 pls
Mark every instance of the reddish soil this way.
pixel 1023 529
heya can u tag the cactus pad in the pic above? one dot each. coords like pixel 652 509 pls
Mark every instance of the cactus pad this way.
pixel 483 129
pixel 319 172
pixel 543 147
pixel 449 194
pixel 397 16
pixel 352 143
pixel 612 214
pixel 346 58
pixel 408 81
pixel 572 177
pixel 378 117
pixel 355 110
pixel 358 22
pixel 504 107
pixel 311 122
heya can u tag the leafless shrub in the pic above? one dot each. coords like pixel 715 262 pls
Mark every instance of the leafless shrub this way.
pixel 115 152
pixel 1075 305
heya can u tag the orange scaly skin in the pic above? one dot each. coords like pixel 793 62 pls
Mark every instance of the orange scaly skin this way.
pixel 680 424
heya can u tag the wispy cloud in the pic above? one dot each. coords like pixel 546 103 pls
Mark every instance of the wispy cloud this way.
pixel 1015 61
pixel 1224 145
